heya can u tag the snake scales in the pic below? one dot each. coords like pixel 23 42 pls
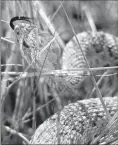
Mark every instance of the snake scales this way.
pixel 82 121
pixel 76 127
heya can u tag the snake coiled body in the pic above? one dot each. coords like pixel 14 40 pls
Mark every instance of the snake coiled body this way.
pixel 82 121
pixel 100 50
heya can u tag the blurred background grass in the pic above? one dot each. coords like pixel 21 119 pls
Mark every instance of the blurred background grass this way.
pixel 18 100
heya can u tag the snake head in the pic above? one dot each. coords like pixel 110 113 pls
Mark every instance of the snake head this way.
pixel 20 27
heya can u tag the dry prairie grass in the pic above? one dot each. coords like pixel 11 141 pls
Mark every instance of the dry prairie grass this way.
pixel 23 109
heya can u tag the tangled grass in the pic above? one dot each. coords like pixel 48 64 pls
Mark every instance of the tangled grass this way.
pixel 23 109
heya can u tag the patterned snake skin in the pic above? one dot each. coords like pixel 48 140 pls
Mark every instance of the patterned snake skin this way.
pixel 80 122
pixel 35 46
pixel 100 50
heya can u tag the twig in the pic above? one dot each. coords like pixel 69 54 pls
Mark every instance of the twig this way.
pixel 17 133
pixel 10 41
pixel 92 76
pixel 59 72
pixel 99 81
pixel 90 20
pixel 39 7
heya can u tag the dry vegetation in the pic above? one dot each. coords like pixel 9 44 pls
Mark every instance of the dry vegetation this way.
pixel 25 105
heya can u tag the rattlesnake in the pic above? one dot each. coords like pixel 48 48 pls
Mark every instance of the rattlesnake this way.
pixel 104 48
pixel 75 125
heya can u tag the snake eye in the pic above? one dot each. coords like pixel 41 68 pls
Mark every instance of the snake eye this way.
pixel 18 33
